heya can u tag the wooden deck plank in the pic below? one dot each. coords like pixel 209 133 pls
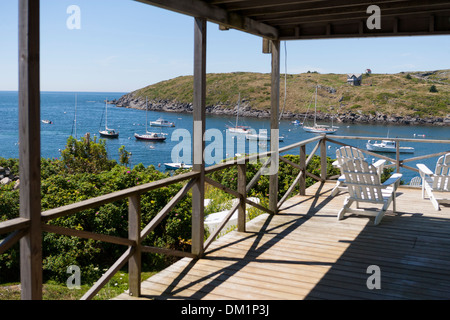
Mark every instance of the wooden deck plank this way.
pixel 306 253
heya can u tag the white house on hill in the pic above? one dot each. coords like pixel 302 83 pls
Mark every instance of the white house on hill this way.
pixel 354 79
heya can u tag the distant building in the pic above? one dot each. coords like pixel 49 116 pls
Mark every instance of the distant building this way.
pixel 354 79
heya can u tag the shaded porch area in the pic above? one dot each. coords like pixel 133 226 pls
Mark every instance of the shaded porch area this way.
pixel 304 252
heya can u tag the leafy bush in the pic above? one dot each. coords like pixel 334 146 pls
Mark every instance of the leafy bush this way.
pixel 84 172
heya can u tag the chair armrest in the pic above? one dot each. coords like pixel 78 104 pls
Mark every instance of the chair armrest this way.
pixel 335 163
pixel 424 169
pixel 379 163
pixel 393 179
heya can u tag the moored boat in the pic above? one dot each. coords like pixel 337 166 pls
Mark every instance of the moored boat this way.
pixel 150 136
pixel 162 123
pixel 177 165
pixel 387 146
pixel 108 132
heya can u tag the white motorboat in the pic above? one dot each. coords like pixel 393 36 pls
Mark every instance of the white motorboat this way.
pixel 387 146
pixel 162 123
pixel 177 165
pixel 150 136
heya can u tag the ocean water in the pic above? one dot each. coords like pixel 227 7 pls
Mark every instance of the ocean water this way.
pixel 59 107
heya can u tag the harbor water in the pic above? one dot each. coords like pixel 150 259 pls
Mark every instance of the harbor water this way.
pixel 59 108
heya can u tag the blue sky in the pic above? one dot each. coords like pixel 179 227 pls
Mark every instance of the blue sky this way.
pixel 124 45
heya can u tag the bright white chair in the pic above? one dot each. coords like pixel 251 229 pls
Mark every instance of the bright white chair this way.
pixel 363 183
pixel 349 153
pixel 437 184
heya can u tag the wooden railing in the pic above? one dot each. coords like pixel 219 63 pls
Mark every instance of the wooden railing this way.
pixel 19 227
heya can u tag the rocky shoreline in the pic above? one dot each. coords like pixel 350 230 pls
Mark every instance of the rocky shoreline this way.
pixel 131 101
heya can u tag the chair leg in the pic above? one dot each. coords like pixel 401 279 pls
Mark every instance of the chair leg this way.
pixel 335 190
pixel 347 203
pixel 435 202
pixel 380 214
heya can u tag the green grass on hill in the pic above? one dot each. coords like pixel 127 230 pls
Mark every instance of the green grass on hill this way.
pixel 393 94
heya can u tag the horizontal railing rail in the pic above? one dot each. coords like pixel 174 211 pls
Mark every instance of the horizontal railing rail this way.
pixel 18 227
pixel 397 162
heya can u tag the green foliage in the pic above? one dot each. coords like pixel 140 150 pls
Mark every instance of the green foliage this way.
pixel 85 155
pixel 85 172
pixel 433 88
pixel 124 156
pixel 286 175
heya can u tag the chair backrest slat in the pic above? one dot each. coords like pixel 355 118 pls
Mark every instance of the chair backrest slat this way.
pixel 362 180
pixel 441 181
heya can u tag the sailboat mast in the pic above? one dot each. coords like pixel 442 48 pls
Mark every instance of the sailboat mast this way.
pixel 146 111
pixel 106 111
pixel 237 113
pixel 75 116
pixel 315 108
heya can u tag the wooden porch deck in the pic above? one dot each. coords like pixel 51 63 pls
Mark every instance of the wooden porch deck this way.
pixel 305 253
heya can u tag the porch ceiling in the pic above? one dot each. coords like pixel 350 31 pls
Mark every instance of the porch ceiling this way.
pixel 318 19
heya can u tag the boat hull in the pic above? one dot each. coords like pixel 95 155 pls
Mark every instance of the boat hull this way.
pixel 109 134
pixel 376 148
pixel 149 137
pixel 176 166
pixel 319 130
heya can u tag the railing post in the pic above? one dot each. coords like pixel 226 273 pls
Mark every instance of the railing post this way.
pixel 30 150
pixel 302 181
pixel 397 156
pixel 199 118
pixel 323 159
pixel 274 125
pixel 241 188
pixel 134 233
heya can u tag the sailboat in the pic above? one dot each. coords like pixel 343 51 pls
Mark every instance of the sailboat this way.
pixel 317 128
pixel 149 135
pixel 237 128
pixel 108 132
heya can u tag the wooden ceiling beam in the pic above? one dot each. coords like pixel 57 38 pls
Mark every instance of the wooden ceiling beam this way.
pixel 198 8
pixel 298 9
pixel 331 16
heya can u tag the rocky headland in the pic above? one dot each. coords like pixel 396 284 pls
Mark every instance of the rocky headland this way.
pixel 131 100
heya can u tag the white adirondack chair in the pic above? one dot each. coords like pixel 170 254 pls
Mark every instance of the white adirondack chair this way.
pixel 348 153
pixel 437 184
pixel 363 183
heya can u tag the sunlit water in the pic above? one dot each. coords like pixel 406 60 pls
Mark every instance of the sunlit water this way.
pixel 59 107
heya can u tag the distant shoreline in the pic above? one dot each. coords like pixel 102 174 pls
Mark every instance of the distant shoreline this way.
pixel 131 101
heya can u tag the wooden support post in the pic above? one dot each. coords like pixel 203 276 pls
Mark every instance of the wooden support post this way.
pixel 274 126
pixel 134 233
pixel 302 182
pixel 199 115
pixel 323 159
pixel 241 188
pixel 397 156
pixel 30 149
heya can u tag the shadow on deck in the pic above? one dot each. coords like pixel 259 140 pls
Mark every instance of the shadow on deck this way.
pixel 305 253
